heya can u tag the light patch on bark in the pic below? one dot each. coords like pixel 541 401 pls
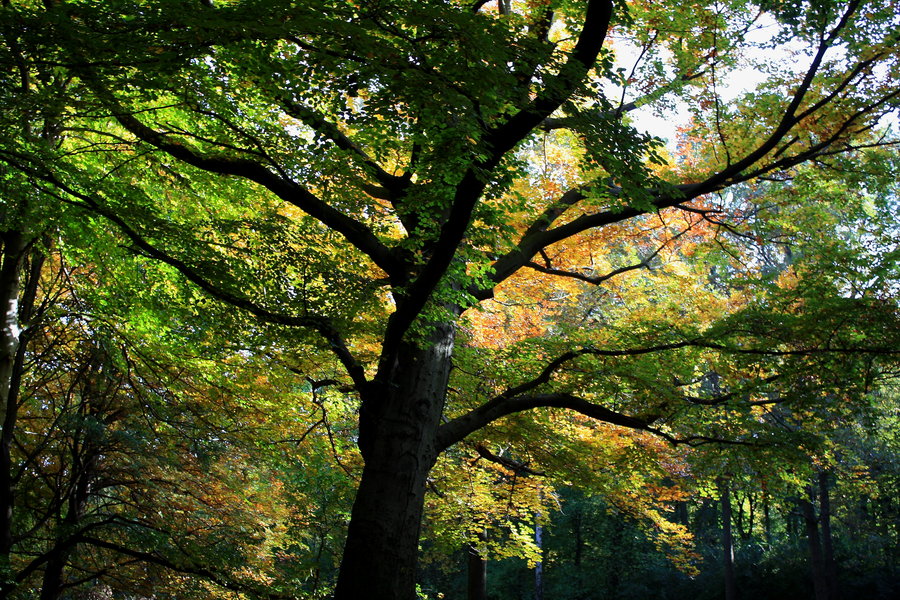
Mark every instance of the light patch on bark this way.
pixel 11 329
pixel 443 348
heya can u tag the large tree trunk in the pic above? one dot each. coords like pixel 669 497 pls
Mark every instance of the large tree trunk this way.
pixel 398 421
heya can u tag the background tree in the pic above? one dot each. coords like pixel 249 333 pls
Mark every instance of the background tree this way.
pixel 99 498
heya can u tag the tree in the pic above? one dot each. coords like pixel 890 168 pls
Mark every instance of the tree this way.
pixel 356 174
pixel 84 485
pixel 98 498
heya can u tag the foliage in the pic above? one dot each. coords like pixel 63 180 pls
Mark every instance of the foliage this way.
pixel 420 252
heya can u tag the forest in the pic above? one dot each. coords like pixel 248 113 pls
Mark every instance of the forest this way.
pixel 449 299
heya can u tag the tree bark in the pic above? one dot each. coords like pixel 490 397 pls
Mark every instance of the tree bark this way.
pixel 476 568
pixel 731 590
pixel 829 563
pixel 539 567
pixel 706 520
pixel 51 584
pixel 816 560
pixel 10 330
pixel 398 420
pixel 11 364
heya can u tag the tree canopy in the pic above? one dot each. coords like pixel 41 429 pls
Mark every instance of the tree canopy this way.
pixel 441 228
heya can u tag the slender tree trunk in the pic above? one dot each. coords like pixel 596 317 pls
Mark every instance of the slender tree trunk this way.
pixel 539 567
pixel 83 470
pixel 731 590
pixel 11 362
pixel 398 421
pixel 737 516
pixel 681 513
pixel 13 252
pixel 476 568
pixel 751 518
pixel 816 560
pixel 706 520
pixel 830 565
pixel 53 574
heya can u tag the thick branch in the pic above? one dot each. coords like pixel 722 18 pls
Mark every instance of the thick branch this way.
pixel 504 138
pixel 519 398
pixel 592 279
pixel 599 279
pixel 539 236
pixel 728 397
pixel 515 399
pixel 557 363
pixel 513 465
pixel 393 184
pixel 497 141
pixel 318 323
pixel 460 427
pixel 788 119
pixel 811 351
pixel 457 429
pixel 288 190
pixel 557 209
